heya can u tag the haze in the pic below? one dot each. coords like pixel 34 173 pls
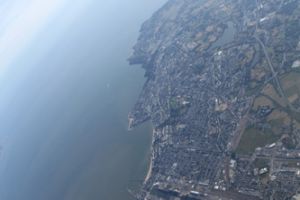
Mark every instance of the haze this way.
pixel 65 91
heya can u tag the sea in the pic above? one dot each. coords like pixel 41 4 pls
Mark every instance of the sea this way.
pixel 64 104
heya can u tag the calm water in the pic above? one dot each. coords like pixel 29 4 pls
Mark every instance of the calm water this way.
pixel 64 106
pixel 227 36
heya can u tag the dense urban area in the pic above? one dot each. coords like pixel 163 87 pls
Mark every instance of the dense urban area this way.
pixel 223 95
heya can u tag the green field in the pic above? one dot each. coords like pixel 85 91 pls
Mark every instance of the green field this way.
pixel 253 138
pixel 261 163
pixel 282 115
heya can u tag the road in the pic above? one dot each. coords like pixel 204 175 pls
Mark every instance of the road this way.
pixel 274 74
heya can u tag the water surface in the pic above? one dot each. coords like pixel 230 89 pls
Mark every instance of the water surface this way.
pixel 64 105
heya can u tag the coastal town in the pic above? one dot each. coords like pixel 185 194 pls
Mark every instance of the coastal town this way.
pixel 223 95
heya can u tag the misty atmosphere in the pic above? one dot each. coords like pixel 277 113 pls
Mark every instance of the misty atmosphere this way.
pixel 65 92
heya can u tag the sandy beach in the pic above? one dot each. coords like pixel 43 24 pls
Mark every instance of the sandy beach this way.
pixel 149 173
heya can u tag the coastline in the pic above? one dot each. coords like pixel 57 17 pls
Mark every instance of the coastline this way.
pixel 149 172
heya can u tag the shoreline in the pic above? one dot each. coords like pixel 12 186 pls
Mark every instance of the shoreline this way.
pixel 149 172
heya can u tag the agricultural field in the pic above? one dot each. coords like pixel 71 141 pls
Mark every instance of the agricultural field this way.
pixel 291 87
pixel 283 113
pixel 254 138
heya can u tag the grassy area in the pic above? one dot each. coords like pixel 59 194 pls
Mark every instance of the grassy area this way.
pixel 262 101
pixel 253 88
pixel 282 115
pixel 293 164
pixel 277 119
pixel 292 91
pixel 270 91
pixel 293 115
pixel 291 85
pixel 253 138
pixel 296 70
pixel 290 79
pixel 261 163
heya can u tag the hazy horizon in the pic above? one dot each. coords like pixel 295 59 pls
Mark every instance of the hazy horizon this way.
pixel 65 91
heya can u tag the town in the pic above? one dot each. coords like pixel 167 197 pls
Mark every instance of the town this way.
pixel 223 95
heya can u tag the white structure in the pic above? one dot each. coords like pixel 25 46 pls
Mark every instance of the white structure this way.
pixel 296 64
pixel 195 193
pixel 263 171
pixel 272 145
